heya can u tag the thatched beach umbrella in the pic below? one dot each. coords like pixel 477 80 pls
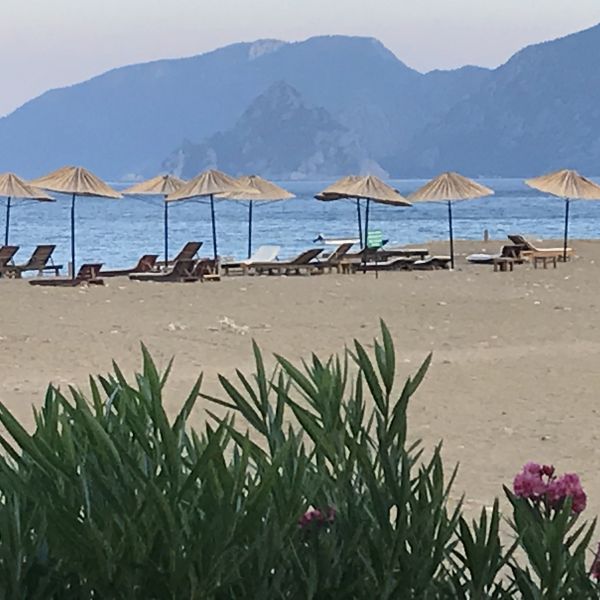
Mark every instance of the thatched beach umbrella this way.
pixel 209 183
pixel 258 190
pixel 369 188
pixel 334 192
pixel 12 187
pixel 569 185
pixel 450 187
pixel 162 185
pixel 75 181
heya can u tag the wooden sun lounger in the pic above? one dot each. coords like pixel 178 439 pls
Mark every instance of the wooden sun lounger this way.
pixel 432 263
pixel 333 261
pixel 145 264
pixel 531 251
pixel 88 273
pixel 40 261
pixel 6 255
pixel 399 263
pixel 188 252
pixel 182 271
pixel 295 266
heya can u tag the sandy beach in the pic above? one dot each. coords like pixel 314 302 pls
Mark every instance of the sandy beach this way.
pixel 514 374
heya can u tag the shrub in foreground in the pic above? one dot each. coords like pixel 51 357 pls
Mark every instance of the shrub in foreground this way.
pixel 307 488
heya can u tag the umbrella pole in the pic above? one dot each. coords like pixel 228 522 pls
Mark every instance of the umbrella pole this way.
pixel 166 233
pixel 250 228
pixel 214 225
pixel 7 221
pixel 73 237
pixel 451 232
pixel 358 215
pixel 365 250
pixel 567 204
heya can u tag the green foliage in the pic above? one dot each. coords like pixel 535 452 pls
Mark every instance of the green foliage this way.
pixel 108 498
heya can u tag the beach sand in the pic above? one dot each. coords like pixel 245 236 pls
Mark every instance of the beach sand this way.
pixel 515 355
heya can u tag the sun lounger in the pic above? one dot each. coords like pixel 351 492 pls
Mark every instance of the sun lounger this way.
pixel 188 252
pixel 399 263
pixel 334 260
pixel 391 251
pixel 262 255
pixel 207 269
pixel 508 251
pixel 88 273
pixel 145 264
pixel 6 255
pixel 529 250
pixel 182 271
pixel 296 266
pixel 431 263
pixel 40 261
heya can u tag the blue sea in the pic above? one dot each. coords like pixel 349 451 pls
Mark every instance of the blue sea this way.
pixel 117 232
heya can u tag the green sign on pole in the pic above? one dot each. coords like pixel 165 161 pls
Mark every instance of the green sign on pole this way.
pixel 375 239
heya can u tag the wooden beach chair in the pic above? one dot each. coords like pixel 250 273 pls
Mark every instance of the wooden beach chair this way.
pixel 263 254
pixel 432 263
pixel 88 273
pixel 531 251
pixel 296 266
pixel 333 261
pixel 145 264
pixel 6 256
pixel 398 263
pixel 181 271
pixel 40 261
pixel 207 269
pixel 188 252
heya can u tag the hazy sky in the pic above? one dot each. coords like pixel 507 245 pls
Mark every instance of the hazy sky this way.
pixel 51 43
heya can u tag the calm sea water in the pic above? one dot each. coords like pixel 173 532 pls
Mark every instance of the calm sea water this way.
pixel 117 232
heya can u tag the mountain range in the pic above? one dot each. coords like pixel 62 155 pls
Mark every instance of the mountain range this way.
pixel 322 107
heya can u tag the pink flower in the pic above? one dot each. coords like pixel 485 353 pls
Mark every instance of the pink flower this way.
pixel 595 570
pixel 529 483
pixel 567 486
pixel 316 517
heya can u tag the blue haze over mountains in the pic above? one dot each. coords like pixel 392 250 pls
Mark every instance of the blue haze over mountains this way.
pixel 319 108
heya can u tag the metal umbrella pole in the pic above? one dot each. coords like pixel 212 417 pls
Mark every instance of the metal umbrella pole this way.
pixel 451 232
pixel 7 221
pixel 214 225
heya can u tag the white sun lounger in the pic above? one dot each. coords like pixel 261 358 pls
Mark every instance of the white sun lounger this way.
pixel 263 254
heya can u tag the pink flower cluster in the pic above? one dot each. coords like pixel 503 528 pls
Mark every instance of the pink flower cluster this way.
pixel 317 518
pixel 539 483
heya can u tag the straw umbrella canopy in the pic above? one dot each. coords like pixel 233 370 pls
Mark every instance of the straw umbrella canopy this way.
pixel 450 187
pixel 258 190
pixel 333 192
pixel 207 184
pixel 75 181
pixel 12 187
pixel 569 185
pixel 369 188
pixel 161 185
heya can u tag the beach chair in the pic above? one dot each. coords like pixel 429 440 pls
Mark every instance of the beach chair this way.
pixel 40 261
pixel 6 255
pixel 263 254
pixel 207 269
pixel 398 263
pixel 432 263
pixel 333 261
pixel 181 271
pixel 145 264
pixel 531 251
pixel 88 273
pixel 295 266
pixel 188 252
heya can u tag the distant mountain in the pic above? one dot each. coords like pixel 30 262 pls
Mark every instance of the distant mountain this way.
pixel 357 103
pixel 538 112
pixel 279 136
pixel 127 120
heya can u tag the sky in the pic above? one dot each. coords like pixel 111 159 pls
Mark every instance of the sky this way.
pixel 51 43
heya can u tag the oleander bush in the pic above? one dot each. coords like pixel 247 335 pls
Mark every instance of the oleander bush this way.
pixel 309 487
